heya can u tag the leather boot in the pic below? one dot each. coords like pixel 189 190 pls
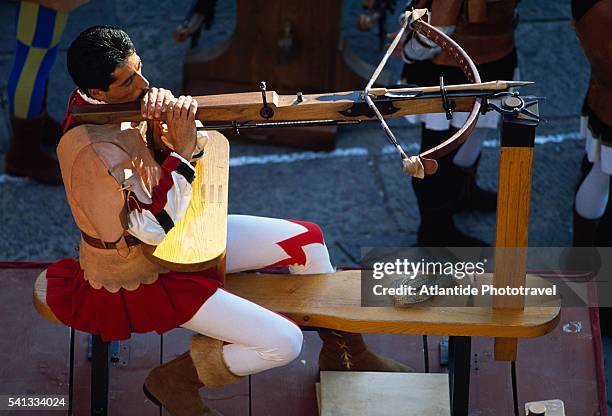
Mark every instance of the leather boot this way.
pixel 344 351
pixel 26 157
pixel 175 385
pixel 471 196
pixel 438 229
pixel 584 256
pixel 583 231
pixel 207 356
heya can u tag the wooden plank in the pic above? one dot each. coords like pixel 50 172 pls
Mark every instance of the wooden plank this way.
pixel 315 300
pixel 353 393
pixel 291 391
pixel 33 351
pixel 230 400
pixel 137 356
pixel 433 346
pixel 512 237
pixel 558 365
pixel 512 234
pixel 82 375
pixel 490 381
pixel 506 349
pixel 198 240
pixel 561 365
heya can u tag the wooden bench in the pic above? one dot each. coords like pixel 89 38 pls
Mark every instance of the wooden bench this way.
pixel 334 301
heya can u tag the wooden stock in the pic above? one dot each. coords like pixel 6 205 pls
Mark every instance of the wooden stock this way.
pixel 198 240
pixel 243 107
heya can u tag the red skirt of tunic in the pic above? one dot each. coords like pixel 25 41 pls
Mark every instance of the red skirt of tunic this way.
pixel 170 301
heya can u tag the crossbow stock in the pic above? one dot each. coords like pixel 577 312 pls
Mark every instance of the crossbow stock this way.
pixel 267 109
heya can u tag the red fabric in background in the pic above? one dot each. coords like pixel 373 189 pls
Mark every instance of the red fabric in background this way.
pixel 170 301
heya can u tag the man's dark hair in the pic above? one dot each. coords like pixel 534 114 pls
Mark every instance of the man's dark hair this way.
pixel 95 54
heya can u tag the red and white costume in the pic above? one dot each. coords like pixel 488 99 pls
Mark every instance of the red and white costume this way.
pixel 257 339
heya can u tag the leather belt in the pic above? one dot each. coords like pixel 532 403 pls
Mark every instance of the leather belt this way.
pixel 104 245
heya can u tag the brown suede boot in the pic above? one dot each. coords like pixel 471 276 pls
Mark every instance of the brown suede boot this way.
pixel 175 385
pixel 343 351
pixel 26 157
pixel 207 356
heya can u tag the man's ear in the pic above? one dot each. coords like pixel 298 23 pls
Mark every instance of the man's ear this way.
pixel 97 94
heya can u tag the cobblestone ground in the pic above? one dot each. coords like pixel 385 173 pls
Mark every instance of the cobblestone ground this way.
pixel 359 200
pixel 357 194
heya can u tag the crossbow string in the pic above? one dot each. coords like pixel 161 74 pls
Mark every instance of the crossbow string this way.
pixel 425 163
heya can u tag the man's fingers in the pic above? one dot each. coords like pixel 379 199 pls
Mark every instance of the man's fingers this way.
pixel 151 103
pixel 148 102
pixel 193 109
pixel 144 104
pixel 170 111
pixel 178 107
pixel 160 101
pixel 185 107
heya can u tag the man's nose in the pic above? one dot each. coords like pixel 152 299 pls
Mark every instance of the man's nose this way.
pixel 142 81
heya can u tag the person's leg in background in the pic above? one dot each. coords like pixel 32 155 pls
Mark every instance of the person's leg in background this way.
pixel 454 187
pixel 466 161
pixel 437 195
pixel 39 30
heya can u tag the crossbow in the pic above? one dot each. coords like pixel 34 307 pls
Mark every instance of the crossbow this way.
pixel 267 109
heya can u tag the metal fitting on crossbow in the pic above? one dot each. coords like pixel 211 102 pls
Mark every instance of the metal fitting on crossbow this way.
pixel 512 103
pixel 446 103
pixel 266 111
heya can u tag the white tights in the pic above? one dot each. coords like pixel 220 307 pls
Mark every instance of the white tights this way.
pixel 592 196
pixel 470 150
pixel 258 338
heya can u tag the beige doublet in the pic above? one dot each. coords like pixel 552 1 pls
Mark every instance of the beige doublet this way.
pixel 94 161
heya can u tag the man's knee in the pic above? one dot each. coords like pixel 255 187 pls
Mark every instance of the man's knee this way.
pixel 288 345
pixel 292 344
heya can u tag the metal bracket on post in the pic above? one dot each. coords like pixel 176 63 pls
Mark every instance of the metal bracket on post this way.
pixel 520 119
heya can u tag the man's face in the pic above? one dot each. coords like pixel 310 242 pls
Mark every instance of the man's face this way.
pixel 129 83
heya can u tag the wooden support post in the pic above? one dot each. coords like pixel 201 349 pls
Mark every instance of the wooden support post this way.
pixel 517 142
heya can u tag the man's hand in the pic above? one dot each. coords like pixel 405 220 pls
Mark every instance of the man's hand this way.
pixel 180 118
pixel 155 103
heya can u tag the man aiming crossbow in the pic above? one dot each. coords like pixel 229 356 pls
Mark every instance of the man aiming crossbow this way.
pixel 130 183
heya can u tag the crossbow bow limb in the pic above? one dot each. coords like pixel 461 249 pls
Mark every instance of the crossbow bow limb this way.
pixel 267 109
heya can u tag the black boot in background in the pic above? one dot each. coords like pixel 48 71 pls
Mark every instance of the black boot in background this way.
pixel 438 229
pixel 437 195
pixel 471 196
